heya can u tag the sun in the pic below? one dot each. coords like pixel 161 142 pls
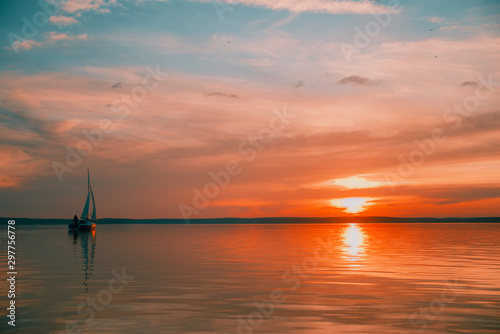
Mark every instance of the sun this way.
pixel 351 204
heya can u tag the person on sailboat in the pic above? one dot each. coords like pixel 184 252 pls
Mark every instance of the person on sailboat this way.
pixel 75 219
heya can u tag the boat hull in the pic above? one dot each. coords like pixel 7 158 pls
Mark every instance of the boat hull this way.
pixel 82 226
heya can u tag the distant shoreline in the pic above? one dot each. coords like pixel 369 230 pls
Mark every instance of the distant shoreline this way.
pixel 270 220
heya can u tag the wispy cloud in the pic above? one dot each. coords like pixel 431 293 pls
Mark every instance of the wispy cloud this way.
pixel 55 36
pixel 434 19
pixel 315 6
pixel 221 94
pixel 284 21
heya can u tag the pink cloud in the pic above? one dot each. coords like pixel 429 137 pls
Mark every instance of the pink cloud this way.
pixel 63 20
pixel 55 36
pixel 73 6
pixel 25 45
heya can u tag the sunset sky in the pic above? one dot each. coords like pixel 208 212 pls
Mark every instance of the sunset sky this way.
pixel 362 108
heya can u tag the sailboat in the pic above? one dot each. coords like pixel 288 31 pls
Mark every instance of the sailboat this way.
pixel 85 223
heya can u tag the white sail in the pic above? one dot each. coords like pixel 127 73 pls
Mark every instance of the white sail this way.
pixel 93 205
pixel 85 212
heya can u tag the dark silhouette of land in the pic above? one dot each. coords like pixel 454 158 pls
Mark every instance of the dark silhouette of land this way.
pixel 270 220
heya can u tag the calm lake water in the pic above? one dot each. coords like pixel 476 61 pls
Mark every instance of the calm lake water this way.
pixel 338 278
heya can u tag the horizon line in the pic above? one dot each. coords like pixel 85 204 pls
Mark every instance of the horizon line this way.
pixel 281 217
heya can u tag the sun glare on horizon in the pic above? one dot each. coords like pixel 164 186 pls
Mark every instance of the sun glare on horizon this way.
pixel 352 204
pixel 353 182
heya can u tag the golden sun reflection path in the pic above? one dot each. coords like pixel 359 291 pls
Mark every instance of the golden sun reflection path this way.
pixel 354 240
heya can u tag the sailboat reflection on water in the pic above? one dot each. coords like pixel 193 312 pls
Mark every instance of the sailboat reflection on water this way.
pixel 87 241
